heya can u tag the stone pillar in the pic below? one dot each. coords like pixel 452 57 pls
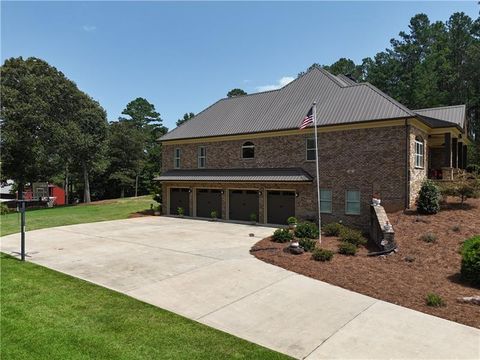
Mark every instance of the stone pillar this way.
pixel 465 156
pixel 448 151
pixel 455 148
pixel 461 165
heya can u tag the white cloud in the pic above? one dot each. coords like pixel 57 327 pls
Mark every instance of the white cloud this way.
pixel 281 83
pixel 89 28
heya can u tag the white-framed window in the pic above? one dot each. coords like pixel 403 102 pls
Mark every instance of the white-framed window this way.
pixel 352 202
pixel 326 201
pixel 248 150
pixel 176 158
pixel 202 157
pixel 310 146
pixel 419 152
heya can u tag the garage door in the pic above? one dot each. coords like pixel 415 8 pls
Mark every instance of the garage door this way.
pixel 242 203
pixel 280 206
pixel 179 198
pixel 207 201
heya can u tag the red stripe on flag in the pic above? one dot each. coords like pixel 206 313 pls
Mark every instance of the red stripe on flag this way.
pixel 307 121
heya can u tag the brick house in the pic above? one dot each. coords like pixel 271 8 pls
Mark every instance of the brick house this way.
pixel 246 157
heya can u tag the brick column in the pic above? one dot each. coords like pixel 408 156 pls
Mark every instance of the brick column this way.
pixel 448 151
pixel 455 147
pixel 465 156
pixel 461 165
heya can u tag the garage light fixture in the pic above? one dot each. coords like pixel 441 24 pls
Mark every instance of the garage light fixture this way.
pixel 259 193
pixel 297 194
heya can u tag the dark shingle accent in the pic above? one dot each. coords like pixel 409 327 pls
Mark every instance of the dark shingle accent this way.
pixel 238 175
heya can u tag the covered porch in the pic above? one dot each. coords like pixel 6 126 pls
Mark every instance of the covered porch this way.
pixel 447 155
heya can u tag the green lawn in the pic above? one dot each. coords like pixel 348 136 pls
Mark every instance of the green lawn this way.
pixel 49 315
pixel 69 215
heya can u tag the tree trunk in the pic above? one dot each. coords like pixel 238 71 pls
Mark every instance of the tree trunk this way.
pixel 122 192
pixel 86 188
pixel 136 185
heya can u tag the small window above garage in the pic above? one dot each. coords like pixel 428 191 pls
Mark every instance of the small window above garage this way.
pixel 248 150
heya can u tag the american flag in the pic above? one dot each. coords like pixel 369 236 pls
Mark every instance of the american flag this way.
pixel 308 120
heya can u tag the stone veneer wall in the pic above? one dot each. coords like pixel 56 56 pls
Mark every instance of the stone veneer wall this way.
pixel 417 175
pixel 370 160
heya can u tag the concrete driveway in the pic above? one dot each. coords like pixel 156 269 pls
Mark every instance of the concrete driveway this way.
pixel 203 270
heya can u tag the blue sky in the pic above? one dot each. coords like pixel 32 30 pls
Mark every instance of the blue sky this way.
pixel 184 56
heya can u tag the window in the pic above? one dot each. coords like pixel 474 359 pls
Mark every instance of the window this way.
pixel 248 150
pixel 176 158
pixel 326 201
pixel 311 155
pixel 202 157
pixel 419 151
pixel 352 202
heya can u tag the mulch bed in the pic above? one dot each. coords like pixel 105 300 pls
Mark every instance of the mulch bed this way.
pixel 435 267
pixel 141 214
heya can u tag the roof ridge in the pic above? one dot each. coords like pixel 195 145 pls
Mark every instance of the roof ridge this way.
pixel 273 90
pixel 441 107
pixel 177 127
pixel 332 77
pixel 392 100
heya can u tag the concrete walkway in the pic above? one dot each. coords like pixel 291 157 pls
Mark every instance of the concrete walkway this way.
pixel 203 270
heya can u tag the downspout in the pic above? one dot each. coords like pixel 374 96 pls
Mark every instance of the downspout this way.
pixel 407 164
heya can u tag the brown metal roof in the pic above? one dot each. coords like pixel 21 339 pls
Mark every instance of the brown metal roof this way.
pixel 337 103
pixel 238 175
pixel 452 114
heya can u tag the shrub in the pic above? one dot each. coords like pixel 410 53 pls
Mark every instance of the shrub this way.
pixel 180 211
pixel 470 269
pixel 282 236
pixel 456 228
pixel 429 237
pixel 428 201
pixel 157 198
pixel 292 220
pixel 465 186
pixel 253 217
pixel 346 248
pixel 434 300
pixel 4 209
pixel 352 236
pixel 307 244
pixel 332 229
pixel 473 168
pixel 322 254
pixel 213 214
pixel 307 230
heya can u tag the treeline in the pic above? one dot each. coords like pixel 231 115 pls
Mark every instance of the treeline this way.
pixel 431 64
pixel 52 131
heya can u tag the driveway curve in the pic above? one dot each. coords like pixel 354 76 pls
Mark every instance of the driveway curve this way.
pixel 203 270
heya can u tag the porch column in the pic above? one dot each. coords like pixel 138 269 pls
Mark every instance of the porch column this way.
pixel 465 157
pixel 447 170
pixel 455 152
pixel 448 150
pixel 461 165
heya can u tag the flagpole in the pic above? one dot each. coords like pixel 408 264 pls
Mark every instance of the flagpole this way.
pixel 318 173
